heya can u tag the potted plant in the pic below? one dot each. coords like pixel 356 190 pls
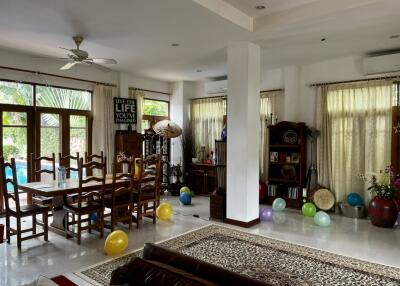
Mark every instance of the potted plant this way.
pixel 383 209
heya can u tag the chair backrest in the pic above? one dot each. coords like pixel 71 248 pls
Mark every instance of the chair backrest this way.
pixel 13 181
pixel 148 179
pixel 99 190
pixel 36 165
pixel 119 164
pixel 66 162
pixel 93 158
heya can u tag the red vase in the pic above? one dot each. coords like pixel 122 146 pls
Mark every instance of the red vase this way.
pixel 383 212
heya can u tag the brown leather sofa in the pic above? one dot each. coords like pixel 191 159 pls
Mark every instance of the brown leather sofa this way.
pixel 161 266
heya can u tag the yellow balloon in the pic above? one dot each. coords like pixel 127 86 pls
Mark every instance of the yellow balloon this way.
pixel 116 242
pixel 164 211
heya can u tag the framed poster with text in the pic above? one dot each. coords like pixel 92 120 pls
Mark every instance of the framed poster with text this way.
pixel 125 110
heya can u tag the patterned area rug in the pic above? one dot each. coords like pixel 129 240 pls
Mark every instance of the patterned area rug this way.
pixel 273 261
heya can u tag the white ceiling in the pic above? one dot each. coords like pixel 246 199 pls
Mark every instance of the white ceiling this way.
pixel 138 34
pixel 271 6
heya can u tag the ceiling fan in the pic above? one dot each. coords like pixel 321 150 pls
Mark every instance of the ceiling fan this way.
pixel 78 56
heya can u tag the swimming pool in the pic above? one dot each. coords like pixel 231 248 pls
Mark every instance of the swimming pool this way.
pixel 22 172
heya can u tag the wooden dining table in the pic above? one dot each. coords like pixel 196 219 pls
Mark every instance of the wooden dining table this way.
pixel 51 189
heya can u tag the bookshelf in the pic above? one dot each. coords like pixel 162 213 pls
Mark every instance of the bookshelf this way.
pixel 287 162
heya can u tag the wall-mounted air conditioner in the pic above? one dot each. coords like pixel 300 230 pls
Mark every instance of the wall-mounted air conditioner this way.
pixel 219 86
pixel 382 63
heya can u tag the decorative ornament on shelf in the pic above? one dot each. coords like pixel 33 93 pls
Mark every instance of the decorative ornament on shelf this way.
pixel 397 128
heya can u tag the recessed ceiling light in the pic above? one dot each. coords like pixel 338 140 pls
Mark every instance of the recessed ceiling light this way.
pixel 175 45
pixel 323 39
pixel 260 7
pixel 394 36
pixel 198 70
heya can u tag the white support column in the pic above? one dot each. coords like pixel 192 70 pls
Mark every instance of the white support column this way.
pixel 182 91
pixel 292 106
pixel 243 133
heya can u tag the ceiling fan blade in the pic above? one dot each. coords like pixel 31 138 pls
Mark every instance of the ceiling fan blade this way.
pixel 103 61
pixel 68 66
pixel 50 58
pixel 100 67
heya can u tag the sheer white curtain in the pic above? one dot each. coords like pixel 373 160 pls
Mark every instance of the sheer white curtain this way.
pixel 207 116
pixel 103 135
pixel 267 106
pixel 139 96
pixel 355 124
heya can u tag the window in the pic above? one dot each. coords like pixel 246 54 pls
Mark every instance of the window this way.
pixel 156 107
pixel 16 93
pixel 154 111
pixel 42 120
pixel 207 120
pixel 63 98
pixel 355 134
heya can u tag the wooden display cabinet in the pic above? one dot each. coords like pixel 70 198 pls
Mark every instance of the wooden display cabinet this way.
pixel 287 162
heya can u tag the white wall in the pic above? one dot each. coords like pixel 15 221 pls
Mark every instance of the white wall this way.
pixel 127 80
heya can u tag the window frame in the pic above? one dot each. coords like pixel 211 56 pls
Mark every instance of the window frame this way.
pixel 153 119
pixel 33 124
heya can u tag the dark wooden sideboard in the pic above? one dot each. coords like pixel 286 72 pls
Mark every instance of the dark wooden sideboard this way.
pixel 202 178
pixel 128 142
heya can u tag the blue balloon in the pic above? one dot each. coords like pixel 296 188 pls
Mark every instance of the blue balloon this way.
pixel 321 218
pixel 355 199
pixel 278 204
pixel 185 198
pixel 93 217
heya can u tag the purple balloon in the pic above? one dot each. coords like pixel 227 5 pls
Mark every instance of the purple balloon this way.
pixel 266 214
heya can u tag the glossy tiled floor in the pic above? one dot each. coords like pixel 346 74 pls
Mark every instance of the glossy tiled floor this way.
pixel 345 236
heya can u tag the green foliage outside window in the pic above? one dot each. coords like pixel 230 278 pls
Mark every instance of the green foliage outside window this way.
pixel 15 138
pixel 155 107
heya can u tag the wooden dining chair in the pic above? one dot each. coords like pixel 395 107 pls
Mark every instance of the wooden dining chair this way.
pixel 66 162
pixel 93 158
pixel 145 190
pixel 120 199
pixel 19 212
pixel 36 176
pixel 89 202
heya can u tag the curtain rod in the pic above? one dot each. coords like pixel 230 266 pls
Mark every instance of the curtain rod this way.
pixel 209 97
pixel 149 90
pixel 356 80
pixel 59 76
pixel 272 90
pixel 224 96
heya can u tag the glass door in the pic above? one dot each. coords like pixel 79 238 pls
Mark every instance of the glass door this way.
pixel 49 140
pixel 77 138
pixel 15 132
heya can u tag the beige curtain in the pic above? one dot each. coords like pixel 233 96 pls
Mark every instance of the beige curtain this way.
pixel 139 96
pixel 355 124
pixel 103 135
pixel 207 115
pixel 267 106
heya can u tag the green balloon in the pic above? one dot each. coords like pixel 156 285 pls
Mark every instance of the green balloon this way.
pixel 185 190
pixel 309 209
pixel 192 194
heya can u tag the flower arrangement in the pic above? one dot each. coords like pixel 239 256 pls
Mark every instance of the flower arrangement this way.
pixel 384 185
